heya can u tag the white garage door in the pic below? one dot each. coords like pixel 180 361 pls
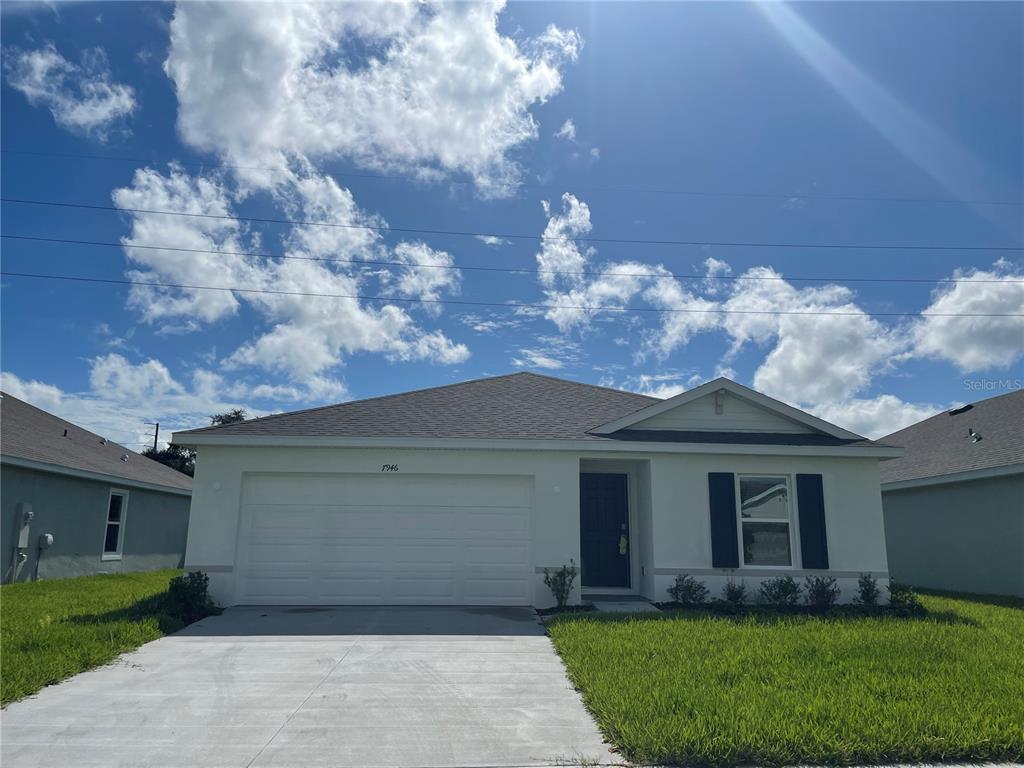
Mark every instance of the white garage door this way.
pixel 385 539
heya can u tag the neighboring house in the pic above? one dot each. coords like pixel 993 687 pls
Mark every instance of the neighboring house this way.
pixel 464 494
pixel 107 509
pixel 954 505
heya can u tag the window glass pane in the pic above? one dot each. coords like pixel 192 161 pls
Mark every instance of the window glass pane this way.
pixel 765 498
pixel 110 542
pixel 114 513
pixel 766 544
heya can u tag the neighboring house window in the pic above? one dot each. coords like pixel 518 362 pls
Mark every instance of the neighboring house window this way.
pixel 765 517
pixel 113 537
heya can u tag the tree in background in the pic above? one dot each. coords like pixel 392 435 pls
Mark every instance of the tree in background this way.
pixel 184 459
pixel 175 457
pixel 231 417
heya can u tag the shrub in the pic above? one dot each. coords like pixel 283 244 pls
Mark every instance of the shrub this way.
pixel 560 582
pixel 822 592
pixel 781 592
pixel 188 598
pixel 904 601
pixel 688 591
pixel 735 594
pixel 867 591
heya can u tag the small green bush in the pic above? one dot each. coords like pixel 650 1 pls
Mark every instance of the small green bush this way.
pixel 688 591
pixel 780 592
pixel 560 582
pixel 188 598
pixel 904 601
pixel 867 591
pixel 822 592
pixel 735 593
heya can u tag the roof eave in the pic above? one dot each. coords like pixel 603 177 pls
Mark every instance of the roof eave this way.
pixel 88 474
pixel 869 450
pixel 954 477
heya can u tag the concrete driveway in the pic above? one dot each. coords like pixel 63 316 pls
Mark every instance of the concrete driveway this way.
pixel 309 687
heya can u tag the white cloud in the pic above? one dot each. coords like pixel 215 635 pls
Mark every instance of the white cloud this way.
pixel 178 191
pixel 491 240
pixel 550 353
pixel 82 98
pixel 123 396
pixel 975 343
pixel 559 252
pixel 535 358
pixel 435 88
pixel 307 334
pixel 875 417
pixel 429 275
pixel 567 131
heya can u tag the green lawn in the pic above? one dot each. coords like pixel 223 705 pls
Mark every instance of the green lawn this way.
pixel 50 630
pixel 711 690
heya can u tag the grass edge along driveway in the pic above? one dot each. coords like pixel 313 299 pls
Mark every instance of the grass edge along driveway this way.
pixel 692 688
pixel 53 629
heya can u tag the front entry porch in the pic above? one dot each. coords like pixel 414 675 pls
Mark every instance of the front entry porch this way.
pixel 614 519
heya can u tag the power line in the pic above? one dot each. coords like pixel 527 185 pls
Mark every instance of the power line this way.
pixel 511 236
pixel 526 185
pixel 505 305
pixel 508 270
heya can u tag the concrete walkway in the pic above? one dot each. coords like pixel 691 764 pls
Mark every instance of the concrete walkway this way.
pixel 303 687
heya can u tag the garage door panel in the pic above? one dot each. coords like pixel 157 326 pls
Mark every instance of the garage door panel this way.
pixel 336 539
pixel 377 490
pixel 497 554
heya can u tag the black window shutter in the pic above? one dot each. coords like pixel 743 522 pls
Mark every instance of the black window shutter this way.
pixel 811 503
pixel 722 497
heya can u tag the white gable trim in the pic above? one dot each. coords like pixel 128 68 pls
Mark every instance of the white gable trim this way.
pixel 738 390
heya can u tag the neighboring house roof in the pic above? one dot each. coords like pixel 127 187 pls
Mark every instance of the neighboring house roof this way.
pixel 524 406
pixel 944 444
pixel 33 437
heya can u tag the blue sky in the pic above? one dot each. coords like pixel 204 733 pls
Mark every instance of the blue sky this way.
pixel 829 123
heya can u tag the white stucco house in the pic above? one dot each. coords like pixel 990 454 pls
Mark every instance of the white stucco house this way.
pixel 464 494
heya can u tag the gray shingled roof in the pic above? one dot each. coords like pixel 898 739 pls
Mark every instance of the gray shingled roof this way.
pixel 517 406
pixel 26 432
pixel 942 445
pixel 520 405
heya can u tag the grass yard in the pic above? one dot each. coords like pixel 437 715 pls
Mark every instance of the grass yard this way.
pixel 50 630
pixel 712 690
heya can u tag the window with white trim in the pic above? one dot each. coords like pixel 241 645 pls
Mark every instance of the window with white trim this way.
pixel 765 520
pixel 113 536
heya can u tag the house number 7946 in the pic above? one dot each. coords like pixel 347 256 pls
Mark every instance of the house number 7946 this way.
pixel 388 467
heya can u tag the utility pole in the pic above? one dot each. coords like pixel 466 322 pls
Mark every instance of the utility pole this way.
pixel 156 433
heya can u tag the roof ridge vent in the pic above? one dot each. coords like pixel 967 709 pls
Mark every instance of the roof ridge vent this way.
pixel 959 409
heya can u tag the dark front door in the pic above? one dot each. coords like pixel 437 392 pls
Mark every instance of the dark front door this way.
pixel 604 530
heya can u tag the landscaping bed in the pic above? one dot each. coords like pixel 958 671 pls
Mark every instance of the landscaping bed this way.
pixel 51 630
pixel 774 688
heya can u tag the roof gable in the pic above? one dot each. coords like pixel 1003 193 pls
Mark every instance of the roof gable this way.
pixel 723 405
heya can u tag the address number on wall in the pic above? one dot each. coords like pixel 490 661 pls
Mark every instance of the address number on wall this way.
pixel 388 467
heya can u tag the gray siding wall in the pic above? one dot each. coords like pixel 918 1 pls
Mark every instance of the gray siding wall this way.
pixel 967 537
pixel 74 510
